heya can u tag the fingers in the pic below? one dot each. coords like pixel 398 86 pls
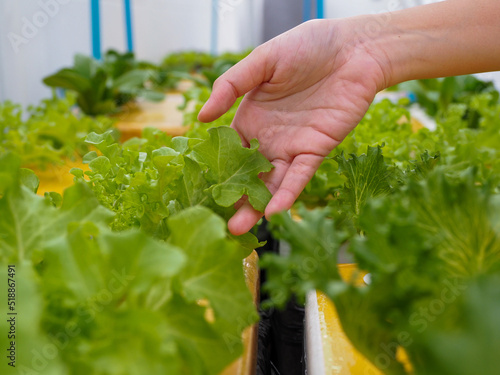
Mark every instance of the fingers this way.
pixel 237 81
pixel 296 178
pixel 244 219
pixel 246 216
pixel 291 181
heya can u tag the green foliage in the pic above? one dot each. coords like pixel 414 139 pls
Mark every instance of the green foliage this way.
pixel 436 95
pixel 117 64
pixel 312 263
pixel 209 66
pixel 423 220
pixel 188 61
pixel 93 301
pixel 366 176
pixel 232 169
pixel 424 245
pixel 145 181
pixel 133 271
pixel 48 133
pixel 476 345
pixel 386 124
pixel 104 87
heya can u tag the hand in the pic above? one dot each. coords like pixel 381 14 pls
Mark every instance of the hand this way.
pixel 306 90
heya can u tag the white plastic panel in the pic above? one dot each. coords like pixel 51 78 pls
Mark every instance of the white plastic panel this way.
pixel 29 52
pixel 315 362
pixel 342 8
pixel 165 26
pixel 37 38
pixel 240 24
pixel 113 34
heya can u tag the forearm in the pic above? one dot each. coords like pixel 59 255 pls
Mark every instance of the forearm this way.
pixel 453 37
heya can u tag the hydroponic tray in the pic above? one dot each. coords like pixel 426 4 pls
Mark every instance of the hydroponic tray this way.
pixel 328 350
pixel 163 115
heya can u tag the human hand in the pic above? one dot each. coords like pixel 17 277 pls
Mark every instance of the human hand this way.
pixel 305 91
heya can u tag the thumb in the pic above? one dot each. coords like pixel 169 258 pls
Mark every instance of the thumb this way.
pixel 237 81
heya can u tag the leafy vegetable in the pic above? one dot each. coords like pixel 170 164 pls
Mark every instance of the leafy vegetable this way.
pixel 427 231
pixel 424 245
pixel 476 345
pixel 105 302
pixel 102 88
pixel 436 95
pixel 385 124
pixel 145 185
pixel 189 61
pixel 50 132
pixel 232 169
pixel 117 64
pixel 200 62
pixel 213 271
pixel 459 145
pixel 366 176
pixel 133 270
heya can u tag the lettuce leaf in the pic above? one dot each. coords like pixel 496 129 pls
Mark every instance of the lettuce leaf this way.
pixel 145 185
pixel 94 301
pixel 424 244
pixel 48 133
pixel 232 169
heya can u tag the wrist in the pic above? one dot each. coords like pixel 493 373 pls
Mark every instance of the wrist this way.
pixel 392 42
pixel 415 43
pixel 443 39
pixel 369 38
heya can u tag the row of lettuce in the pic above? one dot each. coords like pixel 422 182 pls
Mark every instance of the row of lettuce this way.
pixel 106 86
pixel 133 270
pixel 111 276
pixel 420 211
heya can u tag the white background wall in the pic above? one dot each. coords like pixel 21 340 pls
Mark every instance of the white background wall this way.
pixel 53 31
pixel 34 42
pixel 348 8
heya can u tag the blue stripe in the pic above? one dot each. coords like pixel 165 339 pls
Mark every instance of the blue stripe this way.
pixel 306 10
pixel 128 25
pixel 321 9
pixel 214 33
pixel 96 29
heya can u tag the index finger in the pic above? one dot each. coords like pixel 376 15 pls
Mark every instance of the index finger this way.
pixel 237 81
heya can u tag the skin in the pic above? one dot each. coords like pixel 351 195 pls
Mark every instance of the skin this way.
pixel 309 87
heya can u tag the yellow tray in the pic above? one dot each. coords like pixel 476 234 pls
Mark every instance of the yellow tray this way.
pixel 57 177
pixel 162 115
pixel 246 364
pixel 339 355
